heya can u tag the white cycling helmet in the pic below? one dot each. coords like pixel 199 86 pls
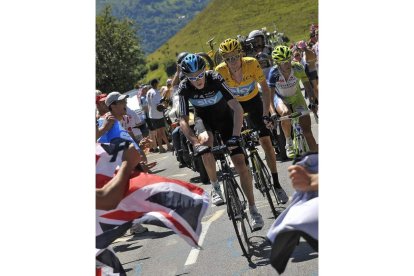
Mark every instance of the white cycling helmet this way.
pixel 255 33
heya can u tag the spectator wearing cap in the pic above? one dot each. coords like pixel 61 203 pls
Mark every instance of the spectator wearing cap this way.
pixel 116 105
pixel 157 117
pixel 101 108
pixel 104 120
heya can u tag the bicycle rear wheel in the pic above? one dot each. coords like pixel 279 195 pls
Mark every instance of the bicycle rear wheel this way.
pixel 236 210
pixel 264 182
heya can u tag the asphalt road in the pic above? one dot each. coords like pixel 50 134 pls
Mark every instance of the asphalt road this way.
pixel 161 252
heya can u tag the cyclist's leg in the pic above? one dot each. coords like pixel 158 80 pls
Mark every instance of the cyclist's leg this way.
pixel 208 159
pixel 305 121
pixel 238 159
pixel 239 162
pixel 313 78
pixel 255 109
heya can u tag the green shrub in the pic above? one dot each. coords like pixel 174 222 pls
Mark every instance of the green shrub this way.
pixel 170 67
pixel 153 66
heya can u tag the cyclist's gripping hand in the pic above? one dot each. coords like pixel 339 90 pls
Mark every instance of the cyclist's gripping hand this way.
pixel 268 122
pixel 200 149
pixel 233 142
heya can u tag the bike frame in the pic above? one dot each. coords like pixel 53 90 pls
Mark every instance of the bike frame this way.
pixel 259 171
pixel 235 199
pixel 299 142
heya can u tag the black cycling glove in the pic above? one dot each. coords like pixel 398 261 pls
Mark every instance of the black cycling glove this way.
pixel 234 141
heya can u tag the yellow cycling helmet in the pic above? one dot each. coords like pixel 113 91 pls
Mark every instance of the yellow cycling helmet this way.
pixel 229 45
pixel 281 53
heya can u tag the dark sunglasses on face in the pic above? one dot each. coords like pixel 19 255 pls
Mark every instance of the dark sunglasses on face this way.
pixel 232 58
pixel 283 62
pixel 199 77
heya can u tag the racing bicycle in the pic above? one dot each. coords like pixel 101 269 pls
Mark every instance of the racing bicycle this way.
pixel 235 199
pixel 300 146
pixel 261 175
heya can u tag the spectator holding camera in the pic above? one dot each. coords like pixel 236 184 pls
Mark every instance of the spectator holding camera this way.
pixel 157 117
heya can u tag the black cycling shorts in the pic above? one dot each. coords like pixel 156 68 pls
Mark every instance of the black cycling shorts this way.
pixel 225 128
pixel 254 107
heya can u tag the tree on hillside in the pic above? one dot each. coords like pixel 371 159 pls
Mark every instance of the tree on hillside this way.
pixel 119 58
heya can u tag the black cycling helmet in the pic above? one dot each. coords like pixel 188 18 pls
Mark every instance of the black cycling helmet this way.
pixel 180 57
pixel 263 59
pixel 192 63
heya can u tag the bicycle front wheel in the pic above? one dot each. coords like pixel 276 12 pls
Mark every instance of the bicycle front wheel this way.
pixel 264 182
pixel 236 210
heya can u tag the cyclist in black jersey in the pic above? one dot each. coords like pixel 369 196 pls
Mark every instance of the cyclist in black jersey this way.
pixel 220 111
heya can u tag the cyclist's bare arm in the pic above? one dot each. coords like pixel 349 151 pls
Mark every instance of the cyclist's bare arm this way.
pixel 186 129
pixel 266 96
pixel 176 78
pixel 109 196
pixel 237 116
pixel 272 103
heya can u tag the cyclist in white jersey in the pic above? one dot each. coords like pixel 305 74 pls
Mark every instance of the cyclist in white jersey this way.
pixel 284 81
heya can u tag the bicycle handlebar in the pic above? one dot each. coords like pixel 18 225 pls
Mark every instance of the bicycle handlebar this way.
pixel 291 116
pixel 200 150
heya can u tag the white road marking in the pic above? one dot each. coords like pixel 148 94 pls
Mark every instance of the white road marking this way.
pixel 192 257
pixel 158 159
pixel 178 175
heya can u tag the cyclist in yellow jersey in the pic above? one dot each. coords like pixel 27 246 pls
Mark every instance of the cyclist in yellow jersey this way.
pixel 242 76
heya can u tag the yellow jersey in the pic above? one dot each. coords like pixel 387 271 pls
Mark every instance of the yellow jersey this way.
pixel 252 74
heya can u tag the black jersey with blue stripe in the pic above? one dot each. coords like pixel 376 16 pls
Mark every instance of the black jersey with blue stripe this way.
pixel 210 102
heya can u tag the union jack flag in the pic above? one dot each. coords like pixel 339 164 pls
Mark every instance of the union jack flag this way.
pixel 150 199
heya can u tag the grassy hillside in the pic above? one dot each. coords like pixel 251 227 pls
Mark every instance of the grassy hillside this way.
pixel 227 18
pixel 158 20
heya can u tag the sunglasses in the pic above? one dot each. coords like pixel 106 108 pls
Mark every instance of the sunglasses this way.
pixel 199 77
pixel 283 62
pixel 232 58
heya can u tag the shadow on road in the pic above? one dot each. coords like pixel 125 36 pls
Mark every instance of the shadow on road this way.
pixel 303 252
pixel 157 171
pixel 125 247
pixel 151 235
pixel 260 251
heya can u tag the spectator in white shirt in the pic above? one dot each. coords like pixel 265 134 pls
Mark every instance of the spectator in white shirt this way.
pixel 156 117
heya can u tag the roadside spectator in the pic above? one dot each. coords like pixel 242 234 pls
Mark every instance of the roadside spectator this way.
pixel 108 196
pixel 309 58
pixel 116 103
pixel 265 62
pixel 166 92
pixel 101 108
pixel 104 120
pixel 301 217
pixel 133 123
pixel 259 43
pixel 156 117
pixel 144 106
